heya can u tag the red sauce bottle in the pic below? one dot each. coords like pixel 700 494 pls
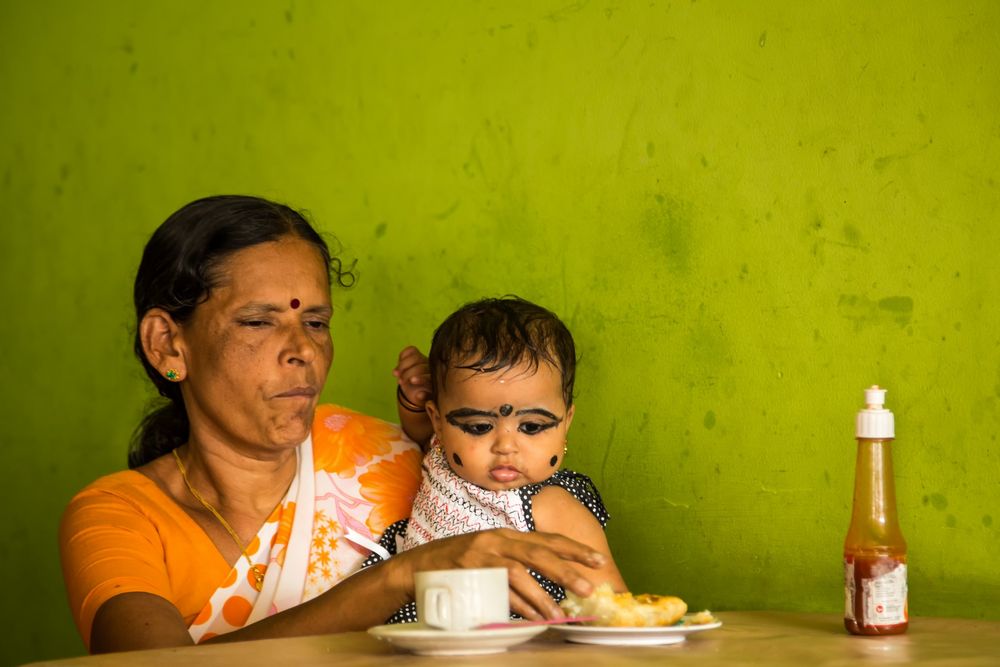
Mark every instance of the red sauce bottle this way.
pixel 874 550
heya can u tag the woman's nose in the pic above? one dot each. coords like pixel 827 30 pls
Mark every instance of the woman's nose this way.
pixel 299 347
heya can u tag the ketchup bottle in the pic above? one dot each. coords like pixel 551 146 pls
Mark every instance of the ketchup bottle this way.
pixel 875 551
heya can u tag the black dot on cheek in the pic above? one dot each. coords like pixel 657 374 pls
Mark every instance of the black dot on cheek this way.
pixel 457 459
pixel 553 461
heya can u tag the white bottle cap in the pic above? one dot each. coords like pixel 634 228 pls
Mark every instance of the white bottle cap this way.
pixel 875 422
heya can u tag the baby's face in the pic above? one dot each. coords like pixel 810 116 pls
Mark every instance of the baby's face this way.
pixel 502 430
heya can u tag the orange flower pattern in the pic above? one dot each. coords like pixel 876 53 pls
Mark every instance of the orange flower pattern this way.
pixel 364 476
pixel 344 439
pixel 391 484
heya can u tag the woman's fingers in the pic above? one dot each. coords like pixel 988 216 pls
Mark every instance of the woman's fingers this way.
pixel 528 598
pixel 556 557
pixel 413 367
pixel 413 372
pixel 553 556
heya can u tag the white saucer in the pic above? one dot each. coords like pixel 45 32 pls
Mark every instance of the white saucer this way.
pixel 422 640
pixel 593 634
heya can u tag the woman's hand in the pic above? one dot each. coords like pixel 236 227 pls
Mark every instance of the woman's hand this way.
pixel 554 556
pixel 413 389
pixel 413 373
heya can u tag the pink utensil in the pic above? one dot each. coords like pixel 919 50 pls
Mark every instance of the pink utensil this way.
pixel 547 621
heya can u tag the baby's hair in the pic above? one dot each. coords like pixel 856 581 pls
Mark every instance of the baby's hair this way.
pixel 497 334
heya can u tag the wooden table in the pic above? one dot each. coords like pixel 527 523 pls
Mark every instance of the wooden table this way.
pixel 746 638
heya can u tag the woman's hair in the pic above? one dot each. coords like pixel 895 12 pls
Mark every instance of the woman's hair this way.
pixel 180 266
pixel 497 334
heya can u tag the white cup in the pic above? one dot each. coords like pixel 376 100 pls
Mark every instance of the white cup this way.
pixel 462 599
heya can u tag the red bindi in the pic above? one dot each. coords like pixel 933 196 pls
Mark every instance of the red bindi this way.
pixel 294 304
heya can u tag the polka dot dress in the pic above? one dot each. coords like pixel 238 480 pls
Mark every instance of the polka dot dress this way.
pixel 579 486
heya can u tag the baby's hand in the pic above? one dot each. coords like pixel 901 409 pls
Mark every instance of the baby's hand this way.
pixel 414 375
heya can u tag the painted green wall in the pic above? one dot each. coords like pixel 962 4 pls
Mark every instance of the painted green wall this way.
pixel 747 212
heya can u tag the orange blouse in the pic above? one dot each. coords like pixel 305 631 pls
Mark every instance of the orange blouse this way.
pixel 123 534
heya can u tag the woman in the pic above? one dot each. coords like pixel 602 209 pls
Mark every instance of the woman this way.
pixel 247 505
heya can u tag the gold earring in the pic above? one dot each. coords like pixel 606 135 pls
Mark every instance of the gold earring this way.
pixel 436 443
pixel 565 447
pixel 173 375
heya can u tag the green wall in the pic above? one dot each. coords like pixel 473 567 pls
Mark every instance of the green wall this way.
pixel 747 212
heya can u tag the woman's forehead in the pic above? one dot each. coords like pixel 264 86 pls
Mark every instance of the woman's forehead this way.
pixel 278 270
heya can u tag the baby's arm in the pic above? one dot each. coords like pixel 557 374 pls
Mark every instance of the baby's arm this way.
pixel 413 388
pixel 557 511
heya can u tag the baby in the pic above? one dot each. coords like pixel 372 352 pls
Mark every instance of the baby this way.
pixel 500 403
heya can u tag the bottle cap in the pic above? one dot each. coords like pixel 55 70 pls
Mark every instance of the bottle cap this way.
pixel 874 421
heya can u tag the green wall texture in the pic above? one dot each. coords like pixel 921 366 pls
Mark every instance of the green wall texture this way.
pixel 747 212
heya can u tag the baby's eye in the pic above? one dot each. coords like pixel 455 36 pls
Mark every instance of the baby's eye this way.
pixel 477 428
pixel 534 428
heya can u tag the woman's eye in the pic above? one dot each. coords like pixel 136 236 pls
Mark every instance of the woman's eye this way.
pixel 478 428
pixel 534 428
pixel 318 325
pixel 253 324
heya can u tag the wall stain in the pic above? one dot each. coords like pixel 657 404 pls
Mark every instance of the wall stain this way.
pixel 709 420
pixel 565 12
pixel 987 520
pixel 644 424
pixel 882 162
pixel 951 521
pixel 667 227
pixel 380 229
pixel 607 450
pixel 852 235
pixel 762 40
pixel 448 211
pixel 862 310
pixel 939 502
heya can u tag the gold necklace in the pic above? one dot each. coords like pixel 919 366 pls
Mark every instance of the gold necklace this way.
pixel 258 575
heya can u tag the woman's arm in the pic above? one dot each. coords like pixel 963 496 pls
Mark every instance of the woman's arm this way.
pixel 140 620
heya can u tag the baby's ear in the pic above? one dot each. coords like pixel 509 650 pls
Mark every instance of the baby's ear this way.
pixel 434 414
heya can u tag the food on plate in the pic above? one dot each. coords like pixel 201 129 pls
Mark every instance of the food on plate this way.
pixel 627 610
pixel 701 618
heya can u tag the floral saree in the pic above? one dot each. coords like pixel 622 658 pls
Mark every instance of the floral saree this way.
pixel 356 476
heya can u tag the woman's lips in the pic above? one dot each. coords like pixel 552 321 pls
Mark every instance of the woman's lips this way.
pixel 297 392
pixel 505 473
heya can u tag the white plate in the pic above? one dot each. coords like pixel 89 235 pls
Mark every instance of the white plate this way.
pixel 422 640
pixel 594 634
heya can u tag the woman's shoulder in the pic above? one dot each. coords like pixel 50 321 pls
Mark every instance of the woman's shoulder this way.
pixel 126 491
pixel 124 484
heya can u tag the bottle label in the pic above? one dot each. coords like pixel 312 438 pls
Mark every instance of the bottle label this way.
pixel 884 597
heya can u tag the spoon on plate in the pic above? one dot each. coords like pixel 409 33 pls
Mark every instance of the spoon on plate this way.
pixel 548 621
